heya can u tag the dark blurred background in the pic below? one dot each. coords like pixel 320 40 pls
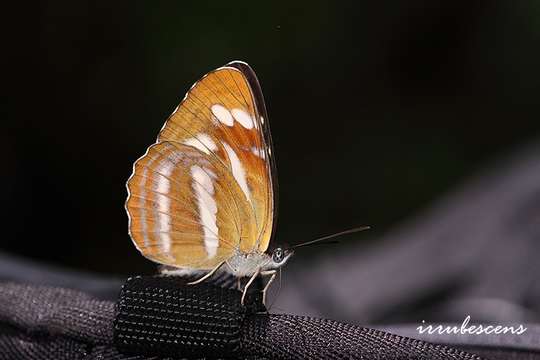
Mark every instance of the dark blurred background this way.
pixel 377 108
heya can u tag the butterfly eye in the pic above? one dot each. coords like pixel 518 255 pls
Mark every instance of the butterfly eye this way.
pixel 277 255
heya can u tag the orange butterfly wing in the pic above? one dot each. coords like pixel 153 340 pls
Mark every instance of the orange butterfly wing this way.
pixel 206 188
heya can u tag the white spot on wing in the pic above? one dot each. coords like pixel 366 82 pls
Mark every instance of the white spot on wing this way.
pixel 243 118
pixel 222 114
pixel 165 168
pixel 144 226
pixel 163 202
pixel 207 141
pixel 238 170
pixel 204 191
pixel 258 152
pixel 202 142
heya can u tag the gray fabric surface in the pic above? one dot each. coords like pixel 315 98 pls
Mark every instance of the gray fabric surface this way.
pixel 476 252
pixel 42 323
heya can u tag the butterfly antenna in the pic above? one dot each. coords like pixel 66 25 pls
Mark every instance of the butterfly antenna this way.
pixel 327 237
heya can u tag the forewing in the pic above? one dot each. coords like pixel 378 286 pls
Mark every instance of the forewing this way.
pixel 223 117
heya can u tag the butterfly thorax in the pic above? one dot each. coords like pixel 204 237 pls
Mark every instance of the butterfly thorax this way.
pixel 243 264
pixel 246 264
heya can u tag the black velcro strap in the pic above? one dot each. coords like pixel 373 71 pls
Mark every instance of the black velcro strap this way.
pixel 161 315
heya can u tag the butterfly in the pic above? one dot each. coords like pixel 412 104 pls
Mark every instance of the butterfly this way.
pixel 203 198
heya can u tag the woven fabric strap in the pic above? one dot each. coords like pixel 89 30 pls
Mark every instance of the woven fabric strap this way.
pixel 162 316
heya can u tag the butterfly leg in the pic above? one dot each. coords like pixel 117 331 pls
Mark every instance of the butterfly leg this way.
pixel 272 274
pixel 207 275
pixel 253 277
pixel 233 271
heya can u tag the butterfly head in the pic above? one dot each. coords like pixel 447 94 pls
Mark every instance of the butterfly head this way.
pixel 280 256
